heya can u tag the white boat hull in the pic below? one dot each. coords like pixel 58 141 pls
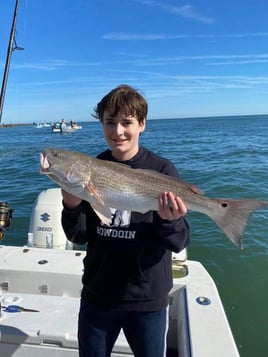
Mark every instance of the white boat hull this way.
pixel 66 129
pixel 49 280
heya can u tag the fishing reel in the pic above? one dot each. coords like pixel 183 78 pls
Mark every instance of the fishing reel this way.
pixel 5 218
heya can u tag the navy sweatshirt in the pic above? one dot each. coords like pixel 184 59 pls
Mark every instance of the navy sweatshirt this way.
pixel 128 264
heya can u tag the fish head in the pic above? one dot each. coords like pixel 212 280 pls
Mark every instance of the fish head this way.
pixel 66 168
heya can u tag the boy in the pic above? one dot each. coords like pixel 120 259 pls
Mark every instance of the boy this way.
pixel 127 268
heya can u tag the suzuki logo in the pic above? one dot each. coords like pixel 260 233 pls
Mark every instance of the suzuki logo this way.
pixel 44 217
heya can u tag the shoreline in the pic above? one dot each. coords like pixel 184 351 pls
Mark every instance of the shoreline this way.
pixel 12 125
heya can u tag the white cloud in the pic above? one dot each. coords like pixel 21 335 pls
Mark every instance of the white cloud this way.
pixel 122 36
pixel 186 11
pixel 51 65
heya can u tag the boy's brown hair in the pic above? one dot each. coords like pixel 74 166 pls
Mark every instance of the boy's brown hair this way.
pixel 122 99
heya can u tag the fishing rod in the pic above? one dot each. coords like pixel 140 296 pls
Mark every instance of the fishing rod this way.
pixel 11 47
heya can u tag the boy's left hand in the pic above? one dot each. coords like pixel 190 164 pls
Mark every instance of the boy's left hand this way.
pixel 171 207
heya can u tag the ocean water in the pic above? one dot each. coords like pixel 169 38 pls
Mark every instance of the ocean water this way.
pixel 226 157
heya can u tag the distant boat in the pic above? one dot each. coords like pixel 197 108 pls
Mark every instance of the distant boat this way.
pixel 76 127
pixel 56 128
pixel 41 125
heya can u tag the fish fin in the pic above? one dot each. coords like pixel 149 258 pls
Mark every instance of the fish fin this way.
pixel 191 187
pixel 92 191
pixel 195 189
pixel 103 212
pixel 233 217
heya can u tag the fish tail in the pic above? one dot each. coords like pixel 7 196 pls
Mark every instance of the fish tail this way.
pixel 233 217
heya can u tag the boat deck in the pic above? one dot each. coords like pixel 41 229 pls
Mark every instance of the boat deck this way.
pixel 49 281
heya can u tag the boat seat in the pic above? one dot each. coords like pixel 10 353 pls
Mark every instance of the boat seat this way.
pixel 50 331
pixel 48 271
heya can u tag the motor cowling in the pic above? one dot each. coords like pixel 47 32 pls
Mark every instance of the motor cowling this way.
pixel 45 222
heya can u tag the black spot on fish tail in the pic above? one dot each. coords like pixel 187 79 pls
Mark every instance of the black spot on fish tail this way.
pixel 233 216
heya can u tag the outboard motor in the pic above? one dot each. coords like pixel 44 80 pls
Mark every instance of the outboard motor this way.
pixel 45 229
pixel 5 218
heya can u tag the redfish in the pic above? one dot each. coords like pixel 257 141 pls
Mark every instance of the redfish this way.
pixel 106 185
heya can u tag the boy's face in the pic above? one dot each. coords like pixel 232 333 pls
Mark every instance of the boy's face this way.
pixel 122 134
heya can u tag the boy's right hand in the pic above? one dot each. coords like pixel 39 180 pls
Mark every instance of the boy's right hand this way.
pixel 69 200
pixel 171 207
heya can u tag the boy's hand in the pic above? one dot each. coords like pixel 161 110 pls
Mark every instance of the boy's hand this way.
pixel 69 200
pixel 170 206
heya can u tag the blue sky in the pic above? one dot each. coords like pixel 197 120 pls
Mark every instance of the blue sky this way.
pixel 189 59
